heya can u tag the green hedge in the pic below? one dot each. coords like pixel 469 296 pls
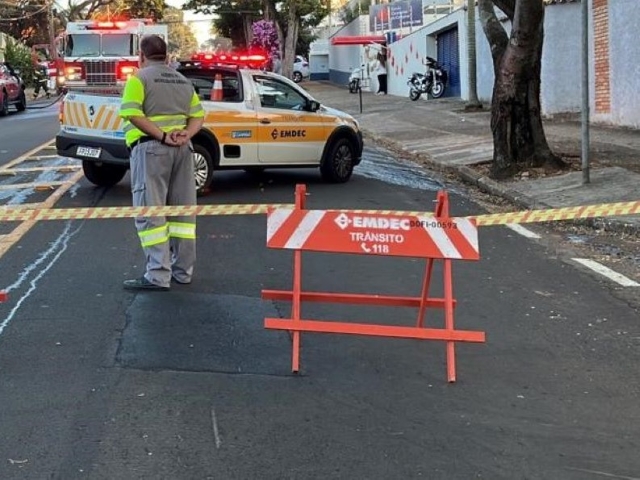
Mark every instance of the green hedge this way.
pixel 19 57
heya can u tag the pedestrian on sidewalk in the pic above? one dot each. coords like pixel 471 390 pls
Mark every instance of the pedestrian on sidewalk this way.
pixel 381 72
pixel 162 113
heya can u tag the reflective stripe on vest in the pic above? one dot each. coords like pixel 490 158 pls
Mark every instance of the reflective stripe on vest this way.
pixel 166 123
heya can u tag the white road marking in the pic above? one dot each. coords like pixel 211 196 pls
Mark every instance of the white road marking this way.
pixel 56 250
pixel 607 272
pixel 525 232
pixel 603 474
pixel 214 422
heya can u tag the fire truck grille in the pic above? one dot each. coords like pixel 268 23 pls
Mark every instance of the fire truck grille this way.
pixel 100 73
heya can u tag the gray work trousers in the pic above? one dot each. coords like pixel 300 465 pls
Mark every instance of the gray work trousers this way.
pixel 164 175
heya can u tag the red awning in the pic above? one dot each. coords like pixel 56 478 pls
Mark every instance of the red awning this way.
pixel 364 40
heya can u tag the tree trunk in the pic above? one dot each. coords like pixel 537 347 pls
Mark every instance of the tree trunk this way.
pixel 473 102
pixel 291 39
pixel 516 119
pixel 247 21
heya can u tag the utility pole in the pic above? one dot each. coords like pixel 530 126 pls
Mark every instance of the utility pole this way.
pixel 585 92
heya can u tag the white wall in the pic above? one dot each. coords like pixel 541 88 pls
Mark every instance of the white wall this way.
pixel 561 60
pixel 624 19
pixel 407 53
pixel 344 58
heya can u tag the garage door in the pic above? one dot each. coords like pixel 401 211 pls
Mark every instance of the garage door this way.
pixel 449 58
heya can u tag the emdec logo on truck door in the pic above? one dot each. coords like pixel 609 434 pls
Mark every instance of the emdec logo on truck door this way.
pixel 275 134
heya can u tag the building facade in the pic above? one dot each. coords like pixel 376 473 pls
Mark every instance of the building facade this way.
pixel 614 54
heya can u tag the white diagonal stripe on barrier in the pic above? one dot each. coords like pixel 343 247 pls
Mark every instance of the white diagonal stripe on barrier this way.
pixel 306 228
pixel 275 221
pixel 440 238
pixel 469 230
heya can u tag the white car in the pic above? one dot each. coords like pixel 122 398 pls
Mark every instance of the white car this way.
pixel 263 121
pixel 300 69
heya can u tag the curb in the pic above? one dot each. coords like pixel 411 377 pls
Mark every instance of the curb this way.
pixel 488 185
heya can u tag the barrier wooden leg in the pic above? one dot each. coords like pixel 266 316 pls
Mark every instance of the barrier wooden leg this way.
pixel 448 313
pixel 426 282
pixel 295 311
pixel 301 193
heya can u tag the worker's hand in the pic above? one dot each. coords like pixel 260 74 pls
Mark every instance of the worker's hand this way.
pixel 179 137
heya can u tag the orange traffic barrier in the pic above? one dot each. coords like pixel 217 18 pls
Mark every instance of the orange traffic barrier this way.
pixel 437 238
pixel 216 93
pixel 3 297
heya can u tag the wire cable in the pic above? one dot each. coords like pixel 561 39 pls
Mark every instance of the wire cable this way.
pixel 24 17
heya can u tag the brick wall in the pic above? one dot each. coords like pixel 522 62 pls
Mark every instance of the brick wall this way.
pixel 601 53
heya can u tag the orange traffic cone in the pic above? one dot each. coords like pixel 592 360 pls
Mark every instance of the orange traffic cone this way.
pixel 216 93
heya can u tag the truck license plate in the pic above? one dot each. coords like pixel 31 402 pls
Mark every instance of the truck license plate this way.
pixel 88 152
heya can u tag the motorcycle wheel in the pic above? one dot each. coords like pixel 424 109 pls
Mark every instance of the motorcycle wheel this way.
pixel 414 94
pixel 437 90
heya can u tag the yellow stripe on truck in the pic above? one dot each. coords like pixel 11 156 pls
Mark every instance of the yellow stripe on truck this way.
pixel 97 119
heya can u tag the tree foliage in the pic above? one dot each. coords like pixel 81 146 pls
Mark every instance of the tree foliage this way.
pixel 516 118
pixel 27 21
pixel 19 57
pixel 265 36
pixel 153 9
pixel 291 17
pixel 182 40
pixel 349 13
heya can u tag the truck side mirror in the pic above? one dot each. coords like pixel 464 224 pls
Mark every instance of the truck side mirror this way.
pixel 314 106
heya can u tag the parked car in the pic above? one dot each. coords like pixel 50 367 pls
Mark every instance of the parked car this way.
pixel 12 90
pixel 300 69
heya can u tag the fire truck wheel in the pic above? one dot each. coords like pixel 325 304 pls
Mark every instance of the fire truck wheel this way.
pixel 4 106
pixel 22 102
pixel 203 168
pixel 337 166
pixel 103 174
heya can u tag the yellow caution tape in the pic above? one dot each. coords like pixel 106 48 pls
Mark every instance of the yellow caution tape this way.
pixel 12 214
pixel 15 214
pixel 534 216
pixel 559 214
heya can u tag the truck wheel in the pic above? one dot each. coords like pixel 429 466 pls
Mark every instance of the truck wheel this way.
pixel 21 106
pixel 337 166
pixel 203 168
pixel 4 105
pixel 103 174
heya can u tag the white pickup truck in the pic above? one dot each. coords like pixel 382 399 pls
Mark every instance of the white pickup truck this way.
pixel 263 121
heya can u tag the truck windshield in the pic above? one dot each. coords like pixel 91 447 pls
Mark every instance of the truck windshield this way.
pixel 118 45
pixel 84 45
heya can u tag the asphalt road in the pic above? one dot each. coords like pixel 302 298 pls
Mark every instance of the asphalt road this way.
pixel 101 383
pixel 22 131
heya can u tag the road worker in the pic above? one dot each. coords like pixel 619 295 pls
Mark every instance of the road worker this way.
pixel 162 113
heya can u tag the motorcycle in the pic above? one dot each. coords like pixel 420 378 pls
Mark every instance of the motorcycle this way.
pixel 432 82
pixel 355 79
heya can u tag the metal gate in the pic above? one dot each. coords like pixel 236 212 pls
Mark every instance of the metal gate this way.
pixel 449 58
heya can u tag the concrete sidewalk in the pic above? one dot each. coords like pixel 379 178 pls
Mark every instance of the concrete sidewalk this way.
pixel 445 137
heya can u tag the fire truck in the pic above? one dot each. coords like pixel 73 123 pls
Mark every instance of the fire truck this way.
pixel 101 55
